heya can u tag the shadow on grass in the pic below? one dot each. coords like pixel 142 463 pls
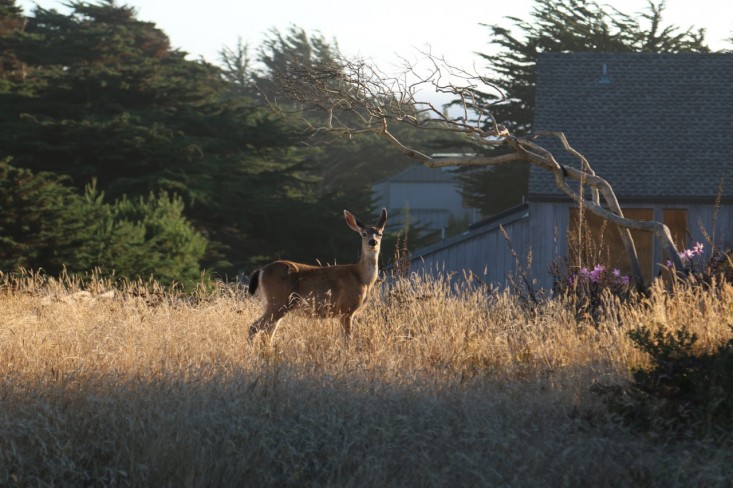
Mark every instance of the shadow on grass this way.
pixel 279 427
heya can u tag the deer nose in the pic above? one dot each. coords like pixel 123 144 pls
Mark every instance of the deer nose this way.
pixel 373 242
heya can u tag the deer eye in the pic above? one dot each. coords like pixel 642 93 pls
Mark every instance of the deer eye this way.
pixel 363 234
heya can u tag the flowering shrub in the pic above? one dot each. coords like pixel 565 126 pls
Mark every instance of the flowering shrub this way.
pixel 600 277
pixel 716 267
pixel 589 289
pixel 587 286
pixel 688 258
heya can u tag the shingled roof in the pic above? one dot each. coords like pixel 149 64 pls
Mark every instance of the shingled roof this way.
pixel 653 125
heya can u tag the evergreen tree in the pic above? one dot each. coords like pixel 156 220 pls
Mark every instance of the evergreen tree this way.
pixel 142 237
pixel 338 169
pixel 11 22
pixel 106 98
pixel 45 224
pixel 40 224
pixel 103 97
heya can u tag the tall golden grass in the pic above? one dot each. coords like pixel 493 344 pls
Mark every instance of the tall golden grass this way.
pixel 438 386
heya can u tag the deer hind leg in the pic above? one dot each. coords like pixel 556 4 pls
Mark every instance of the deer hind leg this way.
pixel 268 321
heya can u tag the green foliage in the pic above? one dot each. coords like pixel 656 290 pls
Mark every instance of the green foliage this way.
pixel 237 69
pixel 682 388
pixel 281 52
pixel 345 166
pixel 142 237
pixel 495 189
pixel 104 97
pixel 45 224
pixel 39 224
pixel 98 95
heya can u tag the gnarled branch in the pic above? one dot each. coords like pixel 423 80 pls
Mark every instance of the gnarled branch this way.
pixel 351 97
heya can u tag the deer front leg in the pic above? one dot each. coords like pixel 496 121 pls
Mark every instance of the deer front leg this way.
pixel 346 320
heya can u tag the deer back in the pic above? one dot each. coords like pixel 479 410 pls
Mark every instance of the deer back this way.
pixel 330 290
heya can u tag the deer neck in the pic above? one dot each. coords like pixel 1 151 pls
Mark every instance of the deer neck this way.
pixel 368 266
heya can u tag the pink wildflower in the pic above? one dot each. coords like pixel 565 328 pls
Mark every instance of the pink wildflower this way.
pixel 597 273
pixel 686 254
pixel 697 249
pixel 618 279
pixel 583 273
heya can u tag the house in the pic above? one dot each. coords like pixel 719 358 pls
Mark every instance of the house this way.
pixel 429 198
pixel 657 127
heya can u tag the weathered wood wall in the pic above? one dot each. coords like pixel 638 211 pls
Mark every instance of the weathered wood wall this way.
pixel 541 227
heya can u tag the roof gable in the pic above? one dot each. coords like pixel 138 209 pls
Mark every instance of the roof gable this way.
pixel 652 125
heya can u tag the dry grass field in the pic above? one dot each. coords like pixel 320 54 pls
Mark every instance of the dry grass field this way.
pixel 132 386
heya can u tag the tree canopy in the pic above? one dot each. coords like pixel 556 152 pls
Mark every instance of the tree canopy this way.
pixel 98 95
pixel 111 139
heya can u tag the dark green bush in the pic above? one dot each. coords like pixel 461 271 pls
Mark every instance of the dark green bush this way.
pixel 682 389
pixel 140 237
pixel 40 220
pixel 45 224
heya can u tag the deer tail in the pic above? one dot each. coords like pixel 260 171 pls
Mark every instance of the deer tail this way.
pixel 254 282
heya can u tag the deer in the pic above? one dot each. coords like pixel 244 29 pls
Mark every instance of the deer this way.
pixel 339 290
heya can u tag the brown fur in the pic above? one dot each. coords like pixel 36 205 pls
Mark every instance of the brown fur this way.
pixel 325 291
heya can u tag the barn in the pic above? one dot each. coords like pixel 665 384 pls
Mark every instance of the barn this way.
pixel 657 127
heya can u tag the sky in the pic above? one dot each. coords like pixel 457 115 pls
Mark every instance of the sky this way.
pixel 384 31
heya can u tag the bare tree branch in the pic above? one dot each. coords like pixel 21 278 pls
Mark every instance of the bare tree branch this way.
pixel 351 97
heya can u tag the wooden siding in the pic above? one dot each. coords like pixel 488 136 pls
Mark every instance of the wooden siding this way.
pixel 483 251
pixel 542 228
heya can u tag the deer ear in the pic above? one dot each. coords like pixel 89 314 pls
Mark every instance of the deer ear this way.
pixel 382 219
pixel 352 221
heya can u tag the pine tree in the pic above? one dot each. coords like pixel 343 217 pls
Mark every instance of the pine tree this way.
pixel 45 224
pixel 39 222
pixel 106 98
pixel 144 237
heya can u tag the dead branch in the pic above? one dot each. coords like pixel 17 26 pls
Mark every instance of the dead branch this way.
pixel 352 97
